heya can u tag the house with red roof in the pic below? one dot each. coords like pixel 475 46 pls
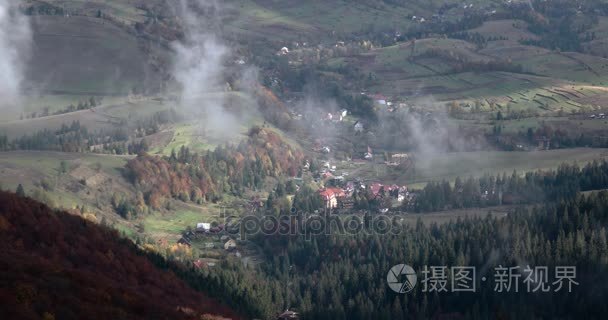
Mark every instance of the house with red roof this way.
pixel 331 196
pixel 375 188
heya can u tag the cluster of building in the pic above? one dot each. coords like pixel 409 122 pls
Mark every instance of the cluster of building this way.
pixel 204 228
pixel 342 197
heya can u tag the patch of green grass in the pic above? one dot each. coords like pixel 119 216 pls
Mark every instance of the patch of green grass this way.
pixel 176 221
pixel 42 163
pixel 185 135
pixel 124 10
pixel 294 18
pixel 126 230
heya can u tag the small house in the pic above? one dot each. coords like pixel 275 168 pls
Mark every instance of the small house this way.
pixel 203 227
pixel 230 245
pixel 288 315
pixel 380 99
pixel 331 196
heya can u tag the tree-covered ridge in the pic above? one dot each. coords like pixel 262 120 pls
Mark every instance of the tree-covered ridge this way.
pixel 59 266
pixel 206 177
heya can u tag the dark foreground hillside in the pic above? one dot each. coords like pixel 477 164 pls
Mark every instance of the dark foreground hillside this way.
pixel 58 266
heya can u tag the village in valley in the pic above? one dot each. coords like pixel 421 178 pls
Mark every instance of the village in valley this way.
pixel 170 124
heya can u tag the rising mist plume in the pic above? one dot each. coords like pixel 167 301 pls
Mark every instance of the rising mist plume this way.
pixel 199 70
pixel 15 41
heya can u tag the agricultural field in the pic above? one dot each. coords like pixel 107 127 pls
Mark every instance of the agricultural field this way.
pixel 448 166
pixel 124 9
pixel 549 81
pixel 95 58
pixel 291 19
pixel 105 116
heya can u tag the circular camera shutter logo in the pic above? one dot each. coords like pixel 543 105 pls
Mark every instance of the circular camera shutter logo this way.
pixel 401 278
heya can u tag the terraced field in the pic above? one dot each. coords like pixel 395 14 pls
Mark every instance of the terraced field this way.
pixel 550 81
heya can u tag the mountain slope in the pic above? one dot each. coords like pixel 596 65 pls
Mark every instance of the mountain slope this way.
pixel 56 265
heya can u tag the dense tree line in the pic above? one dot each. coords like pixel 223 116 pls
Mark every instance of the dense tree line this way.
pixel 475 37
pixel 533 187
pixel 82 105
pixel 43 8
pixel 76 138
pixel 546 137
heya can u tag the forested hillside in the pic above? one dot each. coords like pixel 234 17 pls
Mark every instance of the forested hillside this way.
pixel 346 274
pixel 231 169
pixel 54 265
